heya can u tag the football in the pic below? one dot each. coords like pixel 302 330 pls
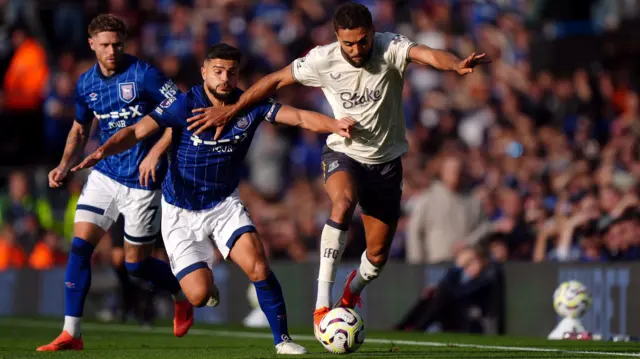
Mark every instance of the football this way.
pixel 571 299
pixel 341 331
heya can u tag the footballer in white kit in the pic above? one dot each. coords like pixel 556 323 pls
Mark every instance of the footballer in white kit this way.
pixel 362 76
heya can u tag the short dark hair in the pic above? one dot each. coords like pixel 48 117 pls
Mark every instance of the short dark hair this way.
pixel 107 23
pixel 223 51
pixel 351 16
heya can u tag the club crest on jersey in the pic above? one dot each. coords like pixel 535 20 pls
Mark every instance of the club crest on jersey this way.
pixel 127 91
pixel 167 102
pixel 242 123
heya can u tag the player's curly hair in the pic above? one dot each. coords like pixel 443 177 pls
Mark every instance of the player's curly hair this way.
pixel 107 23
pixel 351 16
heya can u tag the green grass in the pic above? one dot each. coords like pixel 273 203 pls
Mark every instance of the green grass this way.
pixel 20 337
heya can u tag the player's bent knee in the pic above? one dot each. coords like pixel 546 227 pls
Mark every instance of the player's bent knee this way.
pixel 199 296
pixel 342 208
pixel 197 286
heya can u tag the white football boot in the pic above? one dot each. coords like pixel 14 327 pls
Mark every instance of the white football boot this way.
pixel 288 347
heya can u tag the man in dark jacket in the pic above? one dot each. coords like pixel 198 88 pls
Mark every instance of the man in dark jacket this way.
pixel 468 299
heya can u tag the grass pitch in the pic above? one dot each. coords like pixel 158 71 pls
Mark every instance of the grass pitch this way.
pixel 20 337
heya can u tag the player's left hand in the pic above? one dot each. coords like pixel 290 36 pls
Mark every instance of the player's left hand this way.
pixel 344 126
pixel 90 160
pixel 148 169
pixel 206 118
pixel 466 66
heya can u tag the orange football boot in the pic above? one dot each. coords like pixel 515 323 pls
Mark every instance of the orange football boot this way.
pixel 348 299
pixel 63 342
pixel 182 317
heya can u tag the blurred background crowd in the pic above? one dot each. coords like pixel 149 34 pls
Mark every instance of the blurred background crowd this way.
pixel 535 156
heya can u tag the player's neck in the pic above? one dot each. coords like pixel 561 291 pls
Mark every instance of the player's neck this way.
pixel 106 72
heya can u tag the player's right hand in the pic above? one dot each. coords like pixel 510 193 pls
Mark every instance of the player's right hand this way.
pixel 56 176
pixel 344 126
pixel 206 118
pixel 90 160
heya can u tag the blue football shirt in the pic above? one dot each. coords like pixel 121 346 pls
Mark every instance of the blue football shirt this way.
pixel 119 101
pixel 203 172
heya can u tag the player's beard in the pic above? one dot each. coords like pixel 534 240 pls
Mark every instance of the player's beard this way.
pixel 222 97
pixel 354 64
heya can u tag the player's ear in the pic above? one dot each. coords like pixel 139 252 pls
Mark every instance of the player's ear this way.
pixel 203 72
pixel 91 44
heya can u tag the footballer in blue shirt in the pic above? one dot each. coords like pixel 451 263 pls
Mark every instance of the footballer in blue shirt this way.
pixel 201 206
pixel 118 90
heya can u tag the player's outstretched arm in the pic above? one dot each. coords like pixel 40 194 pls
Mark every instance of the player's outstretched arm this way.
pixel 120 142
pixel 314 121
pixel 446 61
pixel 206 118
pixel 76 140
pixel 149 164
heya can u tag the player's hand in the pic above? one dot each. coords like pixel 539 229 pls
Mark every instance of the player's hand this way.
pixel 57 175
pixel 148 169
pixel 206 118
pixel 90 160
pixel 344 126
pixel 466 66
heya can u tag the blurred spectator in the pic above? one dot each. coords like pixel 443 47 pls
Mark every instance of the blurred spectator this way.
pixel 25 79
pixel 20 203
pixel 12 256
pixel 468 299
pixel 59 112
pixel 47 253
pixel 443 216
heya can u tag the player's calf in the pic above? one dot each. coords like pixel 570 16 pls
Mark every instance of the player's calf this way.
pixel 248 253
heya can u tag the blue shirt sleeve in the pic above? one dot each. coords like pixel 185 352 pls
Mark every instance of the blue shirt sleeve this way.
pixel 171 112
pixel 267 110
pixel 157 86
pixel 84 114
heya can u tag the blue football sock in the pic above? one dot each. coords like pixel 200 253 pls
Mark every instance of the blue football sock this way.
pixel 155 271
pixel 77 279
pixel 272 304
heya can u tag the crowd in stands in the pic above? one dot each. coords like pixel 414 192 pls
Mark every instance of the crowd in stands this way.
pixel 533 165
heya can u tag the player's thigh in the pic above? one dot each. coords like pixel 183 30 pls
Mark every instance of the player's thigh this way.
pixel 96 210
pixel 236 237
pixel 340 177
pixel 142 213
pixel 187 250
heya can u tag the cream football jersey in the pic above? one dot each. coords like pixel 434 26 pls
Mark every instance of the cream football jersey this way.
pixel 371 95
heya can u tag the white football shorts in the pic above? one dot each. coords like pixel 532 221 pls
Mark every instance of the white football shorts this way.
pixel 189 236
pixel 102 200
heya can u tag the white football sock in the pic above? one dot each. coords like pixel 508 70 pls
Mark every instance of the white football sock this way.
pixel 366 273
pixel 72 325
pixel 332 243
